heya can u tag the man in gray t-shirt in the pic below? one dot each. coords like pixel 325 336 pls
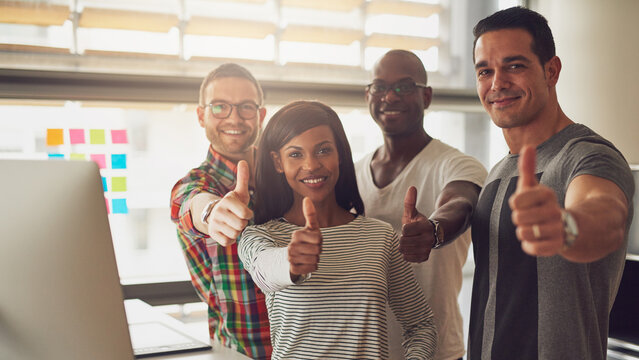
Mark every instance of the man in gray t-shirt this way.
pixel 550 228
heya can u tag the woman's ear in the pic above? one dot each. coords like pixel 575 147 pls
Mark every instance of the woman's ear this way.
pixel 277 162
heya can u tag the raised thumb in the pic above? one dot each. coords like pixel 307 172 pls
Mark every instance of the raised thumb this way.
pixel 409 205
pixel 309 214
pixel 242 180
pixel 527 162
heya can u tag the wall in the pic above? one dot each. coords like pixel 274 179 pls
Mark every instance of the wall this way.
pixel 598 43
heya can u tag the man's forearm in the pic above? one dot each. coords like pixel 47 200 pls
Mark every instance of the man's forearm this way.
pixel 455 207
pixel 602 228
pixel 600 209
pixel 197 205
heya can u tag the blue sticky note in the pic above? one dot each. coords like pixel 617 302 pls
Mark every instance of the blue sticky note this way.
pixel 56 156
pixel 104 184
pixel 119 206
pixel 118 161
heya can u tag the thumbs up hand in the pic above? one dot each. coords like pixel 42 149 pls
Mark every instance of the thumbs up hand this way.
pixel 306 244
pixel 417 237
pixel 231 214
pixel 535 210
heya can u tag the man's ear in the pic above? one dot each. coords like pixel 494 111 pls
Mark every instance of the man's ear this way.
pixel 201 114
pixel 428 96
pixel 262 111
pixel 277 162
pixel 552 70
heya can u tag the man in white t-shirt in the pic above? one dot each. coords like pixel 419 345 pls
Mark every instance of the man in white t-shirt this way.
pixel 426 189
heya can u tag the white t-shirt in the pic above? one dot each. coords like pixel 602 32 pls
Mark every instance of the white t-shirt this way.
pixel 441 276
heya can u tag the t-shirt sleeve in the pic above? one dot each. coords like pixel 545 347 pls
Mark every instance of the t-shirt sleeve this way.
pixel 461 167
pixel 601 160
pixel 195 182
pixel 264 259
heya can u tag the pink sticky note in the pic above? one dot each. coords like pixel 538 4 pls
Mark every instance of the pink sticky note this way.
pixel 76 136
pixel 107 205
pixel 100 159
pixel 119 137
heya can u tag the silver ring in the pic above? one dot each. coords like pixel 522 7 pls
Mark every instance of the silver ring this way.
pixel 536 231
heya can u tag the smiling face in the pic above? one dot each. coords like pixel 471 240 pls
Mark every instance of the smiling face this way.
pixel 232 137
pixel 399 115
pixel 512 85
pixel 310 162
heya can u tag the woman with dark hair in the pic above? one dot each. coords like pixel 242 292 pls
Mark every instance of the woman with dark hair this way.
pixel 307 203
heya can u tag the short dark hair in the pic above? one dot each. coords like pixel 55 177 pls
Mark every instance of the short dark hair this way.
pixel 230 70
pixel 543 43
pixel 273 195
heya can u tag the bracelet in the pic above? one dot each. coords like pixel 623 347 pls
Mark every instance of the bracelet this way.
pixel 207 210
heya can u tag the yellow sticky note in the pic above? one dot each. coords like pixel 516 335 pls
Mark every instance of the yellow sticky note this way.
pixel 118 183
pixel 55 137
pixel 77 156
pixel 96 136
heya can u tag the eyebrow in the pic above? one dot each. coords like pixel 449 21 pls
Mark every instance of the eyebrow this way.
pixel 300 148
pixel 506 60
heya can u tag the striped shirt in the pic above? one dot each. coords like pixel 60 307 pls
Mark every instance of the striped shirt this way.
pixel 339 312
pixel 237 312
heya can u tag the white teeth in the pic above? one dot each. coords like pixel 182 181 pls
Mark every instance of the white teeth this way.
pixel 313 181
pixel 391 112
pixel 232 132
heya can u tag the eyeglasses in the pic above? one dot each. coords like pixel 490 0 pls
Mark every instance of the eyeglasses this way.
pixel 400 88
pixel 247 110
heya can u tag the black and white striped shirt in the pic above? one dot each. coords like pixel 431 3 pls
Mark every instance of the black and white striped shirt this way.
pixel 339 312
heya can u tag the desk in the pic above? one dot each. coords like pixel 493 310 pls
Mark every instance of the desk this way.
pixel 137 311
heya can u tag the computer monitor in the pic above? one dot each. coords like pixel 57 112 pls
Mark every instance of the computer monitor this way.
pixel 60 294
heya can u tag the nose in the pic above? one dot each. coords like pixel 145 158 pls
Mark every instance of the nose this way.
pixel 500 81
pixel 311 163
pixel 390 96
pixel 234 116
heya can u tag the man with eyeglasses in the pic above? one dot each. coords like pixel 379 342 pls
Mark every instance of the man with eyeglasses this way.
pixel 410 175
pixel 211 205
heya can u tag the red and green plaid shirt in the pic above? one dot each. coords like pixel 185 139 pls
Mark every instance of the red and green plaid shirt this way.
pixel 237 312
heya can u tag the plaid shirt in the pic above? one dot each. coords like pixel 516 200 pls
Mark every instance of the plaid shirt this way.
pixel 237 312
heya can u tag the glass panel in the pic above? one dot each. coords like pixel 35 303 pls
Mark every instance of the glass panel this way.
pixel 231 10
pixel 52 36
pixel 129 41
pixel 229 47
pixel 430 57
pixel 403 25
pixel 505 4
pixel 340 19
pixel 292 51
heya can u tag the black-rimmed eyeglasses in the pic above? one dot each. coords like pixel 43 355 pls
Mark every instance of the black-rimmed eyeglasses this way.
pixel 400 88
pixel 247 110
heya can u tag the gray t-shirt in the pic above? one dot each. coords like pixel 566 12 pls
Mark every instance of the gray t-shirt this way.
pixel 526 307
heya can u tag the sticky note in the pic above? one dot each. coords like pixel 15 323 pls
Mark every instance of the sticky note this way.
pixel 55 137
pixel 104 185
pixel 96 136
pixel 76 136
pixel 118 183
pixel 78 156
pixel 118 161
pixel 106 201
pixel 119 137
pixel 100 159
pixel 119 206
pixel 56 156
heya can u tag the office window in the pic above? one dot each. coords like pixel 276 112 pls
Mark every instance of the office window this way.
pixel 304 45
